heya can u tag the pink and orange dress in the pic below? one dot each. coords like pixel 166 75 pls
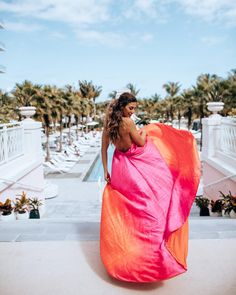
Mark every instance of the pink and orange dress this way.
pixel 145 208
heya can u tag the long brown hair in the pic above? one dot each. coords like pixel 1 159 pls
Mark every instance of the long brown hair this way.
pixel 115 113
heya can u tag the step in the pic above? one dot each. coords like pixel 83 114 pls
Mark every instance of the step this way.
pixel 73 229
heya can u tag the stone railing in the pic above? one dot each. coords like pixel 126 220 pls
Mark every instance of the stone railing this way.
pixel 228 136
pixel 219 139
pixel 21 160
pixel 11 141
pixel 219 155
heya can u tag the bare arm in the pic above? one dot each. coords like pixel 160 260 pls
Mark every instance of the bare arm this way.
pixel 138 138
pixel 105 144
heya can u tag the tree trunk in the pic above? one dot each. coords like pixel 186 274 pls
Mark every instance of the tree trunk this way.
pixel 47 128
pixel 94 109
pixel 61 129
pixel 77 128
pixel 69 126
pixel 47 159
pixel 179 117
pixel 171 113
pixel 189 117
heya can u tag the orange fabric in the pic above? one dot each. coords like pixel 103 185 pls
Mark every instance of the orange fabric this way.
pixel 145 208
pixel 177 244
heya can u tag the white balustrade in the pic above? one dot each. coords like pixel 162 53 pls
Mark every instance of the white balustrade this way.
pixel 228 136
pixel 21 160
pixel 219 155
pixel 11 141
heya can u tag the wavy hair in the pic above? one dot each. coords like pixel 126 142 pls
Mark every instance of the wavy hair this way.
pixel 115 113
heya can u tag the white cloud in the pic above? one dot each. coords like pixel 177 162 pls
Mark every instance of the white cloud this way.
pixel 58 35
pixel 22 27
pixel 69 11
pixel 146 9
pixel 105 38
pixel 210 10
pixel 93 11
pixel 88 17
pixel 211 41
pixel 147 37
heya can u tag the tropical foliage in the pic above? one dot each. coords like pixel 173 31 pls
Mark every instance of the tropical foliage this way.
pixel 63 106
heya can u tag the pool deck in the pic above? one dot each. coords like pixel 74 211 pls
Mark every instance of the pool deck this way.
pixel 59 254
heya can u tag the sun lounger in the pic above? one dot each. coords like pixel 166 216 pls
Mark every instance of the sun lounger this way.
pixel 50 168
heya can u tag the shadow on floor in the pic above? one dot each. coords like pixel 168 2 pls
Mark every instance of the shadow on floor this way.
pixel 91 253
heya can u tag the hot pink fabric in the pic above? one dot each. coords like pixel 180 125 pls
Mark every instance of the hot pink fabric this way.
pixel 144 204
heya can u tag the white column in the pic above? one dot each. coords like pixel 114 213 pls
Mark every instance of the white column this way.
pixel 33 150
pixel 210 136
pixel 32 139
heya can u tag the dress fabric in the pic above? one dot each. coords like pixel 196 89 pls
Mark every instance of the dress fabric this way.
pixel 145 208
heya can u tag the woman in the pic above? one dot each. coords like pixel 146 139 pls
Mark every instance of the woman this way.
pixel 148 197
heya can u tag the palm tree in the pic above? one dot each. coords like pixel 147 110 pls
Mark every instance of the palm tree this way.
pixel 188 102
pixel 69 95
pixel 156 97
pixel 7 107
pixel 230 95
pixel 179 105
pixel 212 86
pixel 77 111
pixel 112 95
pixel 59 110
pixel 133 89
pixel 172 89
pixel 25 92
pixel 90 91
pixel 44 104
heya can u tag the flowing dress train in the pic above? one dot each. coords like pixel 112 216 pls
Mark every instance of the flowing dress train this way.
pixel 145 208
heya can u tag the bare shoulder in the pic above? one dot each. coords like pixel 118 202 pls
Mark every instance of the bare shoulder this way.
pixel 128 122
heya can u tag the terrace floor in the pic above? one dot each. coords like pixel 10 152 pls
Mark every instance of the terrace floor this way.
pixel 59 254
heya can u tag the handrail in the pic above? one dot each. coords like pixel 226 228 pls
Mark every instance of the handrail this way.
pixel 219 180
pixel 27 186
pixel 11 124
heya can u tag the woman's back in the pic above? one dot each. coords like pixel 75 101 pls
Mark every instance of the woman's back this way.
pixel 125 141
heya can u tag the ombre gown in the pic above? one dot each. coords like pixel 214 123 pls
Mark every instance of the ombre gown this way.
pixel 145 208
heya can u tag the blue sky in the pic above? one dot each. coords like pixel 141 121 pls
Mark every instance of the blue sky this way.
pixel 112 43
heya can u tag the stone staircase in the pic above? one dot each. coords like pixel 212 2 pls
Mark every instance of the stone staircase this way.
pixel 73 229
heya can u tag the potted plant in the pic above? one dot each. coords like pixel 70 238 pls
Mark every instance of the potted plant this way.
pixel 6 210
pixel 233 206
pixel 21 207
pixel 34 204
pixel 216 207
pixel 203 204
pixel 226 202
pixel 229 204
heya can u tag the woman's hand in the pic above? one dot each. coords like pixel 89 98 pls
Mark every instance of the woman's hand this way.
pixel 143 133
pixel 107 176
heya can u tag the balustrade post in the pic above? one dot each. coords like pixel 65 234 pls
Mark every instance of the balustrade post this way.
pixel 210 136
pixel 5 149
pixel 33 150
pixel 32 138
